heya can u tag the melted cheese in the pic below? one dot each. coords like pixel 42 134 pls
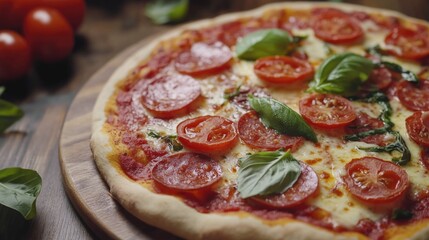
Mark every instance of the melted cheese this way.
pixel 329 158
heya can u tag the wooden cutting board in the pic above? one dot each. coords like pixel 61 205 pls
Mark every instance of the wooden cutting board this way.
pixel 82 181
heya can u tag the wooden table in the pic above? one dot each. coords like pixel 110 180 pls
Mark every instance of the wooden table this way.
pixel 109 28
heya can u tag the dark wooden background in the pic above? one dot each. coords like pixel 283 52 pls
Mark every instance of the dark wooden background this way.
pixel 45 95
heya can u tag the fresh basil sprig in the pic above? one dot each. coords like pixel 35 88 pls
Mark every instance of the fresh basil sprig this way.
pixel 406 74
pixel 266 173
pixel 170 140
pixel 263 43
pixel 19 189
pixel 9 113
pixel 341 74
pixel 398 145
pixel 165 11
pixel 281 118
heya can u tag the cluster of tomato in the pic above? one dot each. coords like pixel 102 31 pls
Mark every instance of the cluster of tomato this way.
pixel 40 30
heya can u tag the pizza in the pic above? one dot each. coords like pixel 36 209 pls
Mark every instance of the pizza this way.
pixel 291 121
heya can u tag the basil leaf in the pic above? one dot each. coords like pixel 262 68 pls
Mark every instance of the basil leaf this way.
pixel 280 117
pixel 263 43
pixel 19 189
pixel 266 173
pixel 341 74
pixel 406 74
pixel 9 114
pixel 165 11
pixel 401 214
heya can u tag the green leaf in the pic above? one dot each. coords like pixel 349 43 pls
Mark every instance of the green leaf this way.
pixel 266 173
pixel 401 214
pixel 263 43
pixel 406 74
pixel 19 189
pixel 9 114
pixel 165 11
pixel 280 117
pixel 342 74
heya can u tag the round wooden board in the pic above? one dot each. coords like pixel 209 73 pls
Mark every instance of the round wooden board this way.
pixel 83 183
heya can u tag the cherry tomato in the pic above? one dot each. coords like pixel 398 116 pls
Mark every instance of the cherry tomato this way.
pixel 416 130
pixel 374 180
pixel 338 28
pixel 305 187
pixel 15 57
pixel 16 12
pixel 364 123
pixel 414 96
pixel 169 96
pixel 5 8
pixel 282 69
pixel 72 10
pixel 49 34
pixel 327 111
pixel 186 172
pixel 204 59
pixel 207 134
pixel 407 43
pixel 254 134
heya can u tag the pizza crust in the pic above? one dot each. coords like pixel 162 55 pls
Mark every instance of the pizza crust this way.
pixel 170 213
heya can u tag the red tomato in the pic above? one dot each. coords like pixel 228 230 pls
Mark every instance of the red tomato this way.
pixel 49 34
pixel 282 69
pixel 72 10
pixel 13 19
pixel 207 134
pixel 338 28
pixel 15 57
pixel 327 111
pixel 254 134
pixel 5 8
pixel 416 130
pixel 168 96
pixel 364 123
pixel 374 180
pixel 203 59
pixel 414 96
pixel 186 172
pixel 407 43
pixel 305 187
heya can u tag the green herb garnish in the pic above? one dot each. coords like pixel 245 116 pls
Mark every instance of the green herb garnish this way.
pixel 263 43
pixel 266 173
pixel 406 74
pixel 341 74
pixel 166 11
pixel 9 113
pixel 170 140
pixel 401 214
pixel 278 116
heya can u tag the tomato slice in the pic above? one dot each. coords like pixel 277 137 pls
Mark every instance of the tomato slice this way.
pixel 186 172
pixel 414 96
pixel 408 43
pixel 168 96
pixel 207 134
pixel 338 28
pixel 305 187
pixel 254 134
pixel 363 123
pixel 282 69
pixel 416 130
pixel 327 111
pixel 374 180
pixel 204 59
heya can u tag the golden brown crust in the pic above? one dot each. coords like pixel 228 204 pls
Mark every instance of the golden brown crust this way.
pixel 170 213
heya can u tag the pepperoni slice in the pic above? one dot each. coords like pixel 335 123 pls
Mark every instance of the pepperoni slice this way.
pixel 408 43
pixel 374 180
pixel 416 130
pixel 326 110
pixel 282 69
pixel 364 123
pixel 305 187
pixel 379 79
pixel 425 119
pixel 186 172
pixel 204 59
pixel 169 96
pixel 424 157
pixel 254 134
pixel 414 96
pixel 207 134
pixel 336 27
